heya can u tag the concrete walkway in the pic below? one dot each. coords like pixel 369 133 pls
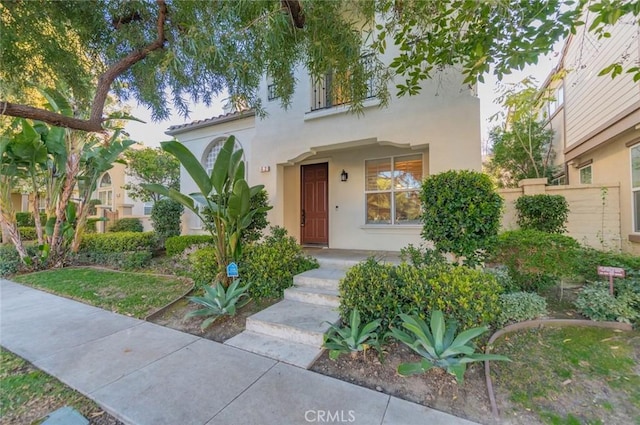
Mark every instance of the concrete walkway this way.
pixel 147 374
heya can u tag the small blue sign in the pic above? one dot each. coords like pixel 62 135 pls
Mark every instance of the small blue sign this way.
pixel 232 270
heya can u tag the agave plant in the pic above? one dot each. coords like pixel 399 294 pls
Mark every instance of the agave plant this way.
pixel 219 301
pixel 439 346
pixel 351 339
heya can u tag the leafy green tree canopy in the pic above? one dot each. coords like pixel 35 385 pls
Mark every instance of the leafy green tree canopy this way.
pixel 168 52
pixel 148 166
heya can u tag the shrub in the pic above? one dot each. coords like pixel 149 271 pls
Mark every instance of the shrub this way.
pixel 595 302
pixel 588 260
pixel 28 233
pixel 271 264
pixel 118 242
pixel 10 260
pixel 382 291
pixel 204 267
pixel 461 213
pixel 352 338
pixel 177 244
pixel 255 230
pixel 535 259
pixel 521 306
pixel 126 225
pixel 165 217
pixel 501 273
pixel 25 219
pixel 90 226
pixel 421 256
pixel 92 206
pixel 218 301
pixel 128 260
pixel 546 213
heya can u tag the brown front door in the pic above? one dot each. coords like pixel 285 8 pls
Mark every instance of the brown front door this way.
pixel 314 220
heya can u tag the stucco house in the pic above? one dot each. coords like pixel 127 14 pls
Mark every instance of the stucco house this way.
pixel 115 202
pixel 597 119
pixel 339 180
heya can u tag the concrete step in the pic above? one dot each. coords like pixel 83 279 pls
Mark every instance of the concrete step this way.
pixel 318 296
pixel 300 355
pixel 294 321
pixel 337 263
pixel 322 278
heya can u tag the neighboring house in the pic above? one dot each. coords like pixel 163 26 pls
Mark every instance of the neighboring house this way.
pixel 597 119
pixel 115 203
pixel 340 180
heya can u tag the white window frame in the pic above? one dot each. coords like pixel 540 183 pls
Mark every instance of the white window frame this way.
pixel 580 173
pixel 392 191
pixel 217 143
pixel 149 206
pixel 635 215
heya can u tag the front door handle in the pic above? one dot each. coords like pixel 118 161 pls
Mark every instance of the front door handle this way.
pixel 303 219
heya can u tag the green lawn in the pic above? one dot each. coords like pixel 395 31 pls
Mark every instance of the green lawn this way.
pixel 573 375
pixel 133 294
pixel 28 394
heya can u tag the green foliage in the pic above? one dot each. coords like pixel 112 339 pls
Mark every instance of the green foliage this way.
pixel 271 264
pixel 255 230
pixel 203 265
pixel 28 233
pixel 150 166
pixel 520 306
pixel 219 301
pixel 461 213
pixel 421 256
pixel 126 260
pixel 177 244
pixel 535 259
pixel 382 291
pixel 224 192
pixel 92 210
pixel 439 346
pixel 547 213
pixel 25 219
pixel 595 301
pixel 353 338
pixel 126 225
pixel 9 260
pixel 118 242
pixel 588 260
pixel 165 218
pixel 501 273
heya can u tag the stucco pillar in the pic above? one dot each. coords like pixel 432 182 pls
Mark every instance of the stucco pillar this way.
pixel 533 186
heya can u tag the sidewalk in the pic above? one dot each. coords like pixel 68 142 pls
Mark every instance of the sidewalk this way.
pixel 143 373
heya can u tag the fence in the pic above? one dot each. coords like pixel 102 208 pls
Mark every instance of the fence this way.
pixel 594 210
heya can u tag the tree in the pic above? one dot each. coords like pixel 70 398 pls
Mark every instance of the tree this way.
pixel 165 217
pixel 224 192
pixel 151 51
pixel 523 147
pixel 148 166
pixel 59 164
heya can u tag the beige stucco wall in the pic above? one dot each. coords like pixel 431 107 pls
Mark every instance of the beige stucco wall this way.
pixel 592 221
pixel 612 163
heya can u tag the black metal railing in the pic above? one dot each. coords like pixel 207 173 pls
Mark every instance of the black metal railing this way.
pixel 324 95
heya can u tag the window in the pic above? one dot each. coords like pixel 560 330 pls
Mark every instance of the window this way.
pixel 635 186
pixel 326 92
pixel 42 204
pixel 556 102
pixel 105 191
pixel 392 189
pixel 586 175
pixel 209 158
pixel 148 206
pixel 271 90
pixel 106 180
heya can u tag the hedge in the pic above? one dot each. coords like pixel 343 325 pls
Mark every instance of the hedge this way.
pixel 118 242
pixel 177 244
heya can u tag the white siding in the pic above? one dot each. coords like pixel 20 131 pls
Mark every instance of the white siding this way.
pixel 592 101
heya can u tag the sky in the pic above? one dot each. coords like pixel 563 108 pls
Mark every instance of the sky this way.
pixel 152 133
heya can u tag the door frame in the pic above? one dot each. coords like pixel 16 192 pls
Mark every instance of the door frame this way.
pixel 301 208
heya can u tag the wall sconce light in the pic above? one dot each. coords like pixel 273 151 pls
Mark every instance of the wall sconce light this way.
pixel 265 169
pixel 344 176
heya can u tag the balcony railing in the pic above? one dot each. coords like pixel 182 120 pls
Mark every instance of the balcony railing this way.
pixel 325 95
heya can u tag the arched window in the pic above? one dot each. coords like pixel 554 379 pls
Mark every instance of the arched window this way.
pixel 212 151
pixel 106 180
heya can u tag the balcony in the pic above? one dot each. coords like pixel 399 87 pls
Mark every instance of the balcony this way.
pixel 325 96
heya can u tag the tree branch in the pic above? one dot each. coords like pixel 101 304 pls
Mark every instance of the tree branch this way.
pixel 94 123
pixel 295 10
